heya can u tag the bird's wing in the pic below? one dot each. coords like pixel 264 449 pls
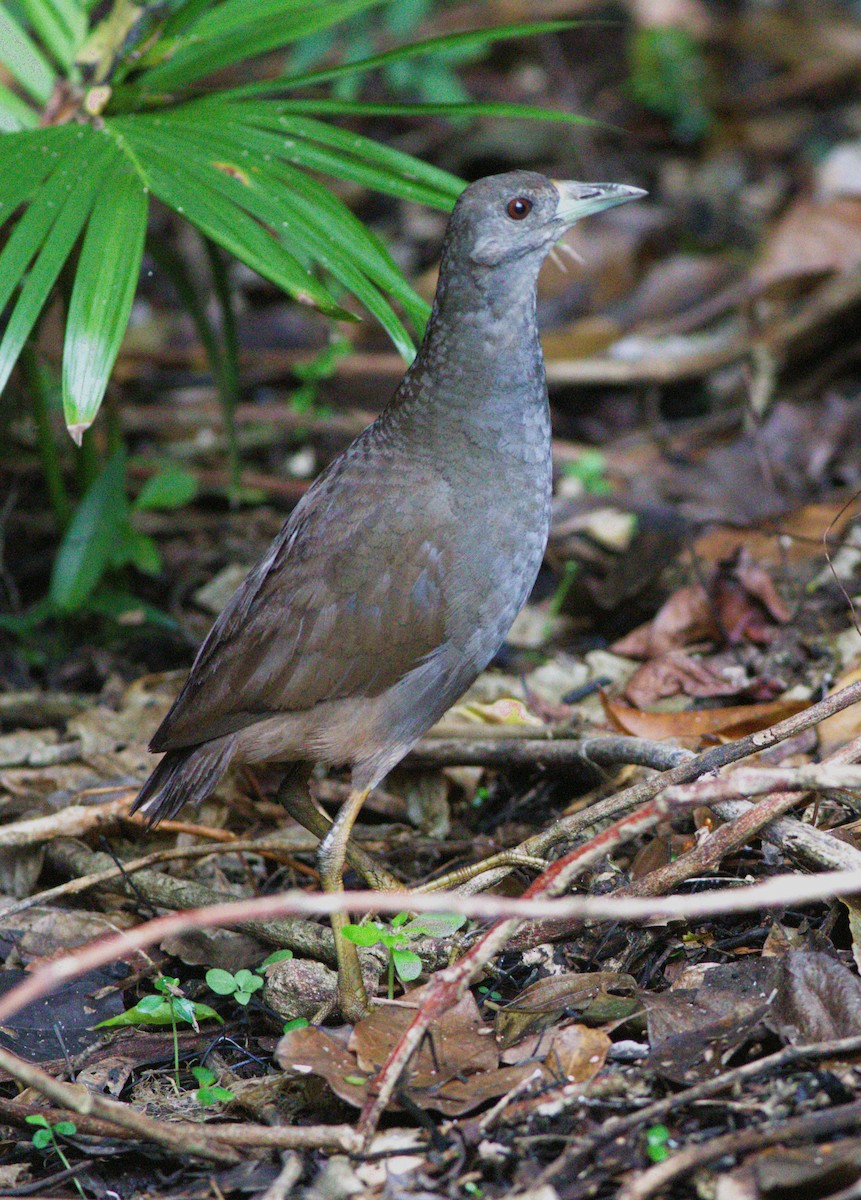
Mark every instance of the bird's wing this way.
pixel 348 599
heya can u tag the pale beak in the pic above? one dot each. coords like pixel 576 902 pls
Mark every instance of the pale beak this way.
pixel 578 200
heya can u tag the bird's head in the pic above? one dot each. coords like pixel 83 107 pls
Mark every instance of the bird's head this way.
pixel 503 218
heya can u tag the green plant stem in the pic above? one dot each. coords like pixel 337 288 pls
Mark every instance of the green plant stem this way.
pixel 221 352
pixel 228 376
pixel 175 1042
pixel 51 469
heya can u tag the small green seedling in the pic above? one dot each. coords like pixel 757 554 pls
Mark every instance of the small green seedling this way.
pixel 241 985
pixel 46 1136
pixel 208 1092
pixel 166 1006
pixel 656 1143
pixel 397 937
pixel 590 469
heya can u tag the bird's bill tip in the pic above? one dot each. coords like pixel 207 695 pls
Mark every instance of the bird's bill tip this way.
pixel 578 200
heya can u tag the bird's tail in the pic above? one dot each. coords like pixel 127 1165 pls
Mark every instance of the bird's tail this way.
pixel 191 773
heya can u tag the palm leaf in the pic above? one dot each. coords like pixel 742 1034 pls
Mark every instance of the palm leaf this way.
pixel 190 178
pixel 102 294
pixel 466 42
pixel 238 30
pixel 48 230
pixel 24 60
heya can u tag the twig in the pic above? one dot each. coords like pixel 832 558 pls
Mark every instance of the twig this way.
pixel 80 1100
pixel 615 1127
pixel 816 1124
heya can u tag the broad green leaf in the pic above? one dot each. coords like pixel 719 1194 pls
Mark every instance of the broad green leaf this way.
pixel 29 156
pixel 156 1010
pixel 407 964
pixel 42 1138
pixel 362 935
pixel 102 295
pixel 79 182
pixel 192 183
pixel 90 538
pixel 221 982
pixel 435 925
pixel 24 60
pixel 171 488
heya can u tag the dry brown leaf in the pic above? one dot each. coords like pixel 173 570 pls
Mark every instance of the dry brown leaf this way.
pixel 735 721
pixel 589 994
pixel 676 674
pixel 811 238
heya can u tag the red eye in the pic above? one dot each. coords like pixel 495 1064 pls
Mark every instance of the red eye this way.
pixel 519 208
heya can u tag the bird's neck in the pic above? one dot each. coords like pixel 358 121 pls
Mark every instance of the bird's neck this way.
pixel 481 351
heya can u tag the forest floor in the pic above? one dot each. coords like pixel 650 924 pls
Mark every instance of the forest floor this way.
pixel 674 717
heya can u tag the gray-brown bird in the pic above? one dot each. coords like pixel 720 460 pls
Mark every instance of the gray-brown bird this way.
pixel 396 578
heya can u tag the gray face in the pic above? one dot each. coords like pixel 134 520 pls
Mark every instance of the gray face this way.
pixel 507 217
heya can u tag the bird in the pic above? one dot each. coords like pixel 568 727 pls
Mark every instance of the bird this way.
pixel 395 579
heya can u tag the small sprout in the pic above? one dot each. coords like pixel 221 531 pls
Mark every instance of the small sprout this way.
pixel 208 1091
pixel 657 1138
pixel 241 985
pixel 46 1136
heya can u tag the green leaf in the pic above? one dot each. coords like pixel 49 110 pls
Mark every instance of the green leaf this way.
pixel 88 543
pixel 15 115
pixel 29 156
pixel 275 957
pixel 237 30
pixel 407 964
pixel 204 1075
pixel 363 935
pixel 436 925
pixel 303 212
pixel 24 60
pixel 171 488
pixel 223 983
pixel 248 981
pixel 467 42
pixel 42 1138
pixel 37 1119
pixel 102 295
pixel 296 1023
pixel 66 1128
pixel 61 27
pixel 140 550
pixel 391 171
pixel 469 111
pixel 78 184
pixel 185 1010
pixel 156 1010
pixel 193 184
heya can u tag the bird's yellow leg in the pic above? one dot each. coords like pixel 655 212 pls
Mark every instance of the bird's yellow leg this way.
pixel 352 997
pixel 293 794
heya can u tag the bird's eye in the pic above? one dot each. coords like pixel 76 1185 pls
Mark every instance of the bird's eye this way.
pixel 519 208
